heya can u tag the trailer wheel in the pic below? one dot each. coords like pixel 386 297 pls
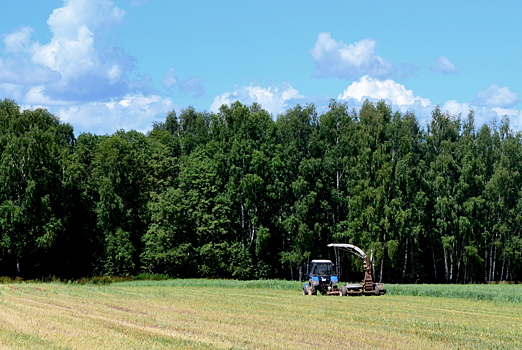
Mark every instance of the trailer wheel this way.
pixel 344 292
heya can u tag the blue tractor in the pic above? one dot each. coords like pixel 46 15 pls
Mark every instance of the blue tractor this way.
pixel 321 277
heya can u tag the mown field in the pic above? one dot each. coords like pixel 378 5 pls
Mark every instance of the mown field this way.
pixel 209 314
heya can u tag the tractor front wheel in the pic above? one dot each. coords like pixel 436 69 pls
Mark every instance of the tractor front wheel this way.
pixel 312 290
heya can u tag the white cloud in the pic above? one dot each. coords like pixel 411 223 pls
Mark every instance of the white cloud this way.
pixel 169 79
pixel 35 95
pixel 484 114
pixel 18 41
pixel 506 111
pixel 12 91
pixel 69 57
pixel 98 16
pixel 277 99
pixel 132 112
pixel 76 64
pixel 455 108
pixel 18 70
pixel 444 66
pixel 368 87
pixel 274 99
pixel 348 61
pixel 193 85
pixel 495 96
pixel 76 72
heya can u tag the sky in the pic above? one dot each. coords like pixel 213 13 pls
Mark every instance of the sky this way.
pixel 106 65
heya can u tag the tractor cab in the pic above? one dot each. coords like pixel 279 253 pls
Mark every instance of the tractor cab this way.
pixel 320 276
pixel 321 268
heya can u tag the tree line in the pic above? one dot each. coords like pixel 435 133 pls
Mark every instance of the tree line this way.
pixel 239 194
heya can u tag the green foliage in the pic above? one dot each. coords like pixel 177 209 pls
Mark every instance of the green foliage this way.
pixel 119 254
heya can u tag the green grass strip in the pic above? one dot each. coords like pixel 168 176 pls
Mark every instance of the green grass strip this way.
pixel 490 292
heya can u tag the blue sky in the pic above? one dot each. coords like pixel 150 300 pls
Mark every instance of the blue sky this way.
pixel 107 65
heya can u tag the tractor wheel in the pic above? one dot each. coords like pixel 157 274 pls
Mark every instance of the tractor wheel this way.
pixel 305 292
pixel 312 290
pixel 344 292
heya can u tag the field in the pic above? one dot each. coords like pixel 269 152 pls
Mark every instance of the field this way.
pixel 209 314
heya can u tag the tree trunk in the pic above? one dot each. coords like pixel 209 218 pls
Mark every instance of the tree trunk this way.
pixel 242 218
pixel 405 261
pixel 494 263
pixel 451 265
pixel 18 268
pixel 486 269
pixel 490 274
pixel 446 270
pixel 434 263
pixel 459 260
pixel 382 270
pixel 502 270
pixel 382 260
pixel 465 272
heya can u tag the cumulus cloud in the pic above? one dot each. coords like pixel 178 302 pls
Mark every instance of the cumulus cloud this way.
pixel 454 107
pixel 368 87
pixel 334 58
pixel 274 99
pixel 193 85
pixel 444 66
pixel 78 75
pixel 99 16
pixel 495 96
pixel 484 114
pixel 76 64
pixel 277 99
pixel 131 112
pixel 492 103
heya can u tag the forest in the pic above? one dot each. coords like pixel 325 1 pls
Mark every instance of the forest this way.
pixel 242 194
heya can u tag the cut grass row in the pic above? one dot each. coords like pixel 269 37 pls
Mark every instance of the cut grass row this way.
pixel 222 314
